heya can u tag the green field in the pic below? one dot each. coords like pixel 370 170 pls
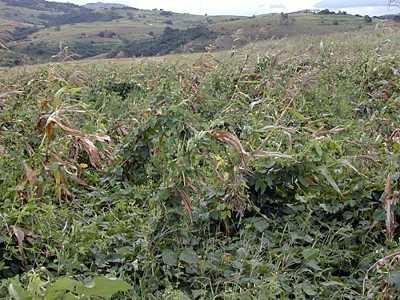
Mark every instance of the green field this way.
pixel 262 173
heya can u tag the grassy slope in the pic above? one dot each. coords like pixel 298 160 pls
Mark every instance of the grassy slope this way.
pixel 139 28
pixel 20 14
pixel 163 214
pixel 125 28
pixel 303 24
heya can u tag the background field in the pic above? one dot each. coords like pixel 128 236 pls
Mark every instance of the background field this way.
pixel 51 31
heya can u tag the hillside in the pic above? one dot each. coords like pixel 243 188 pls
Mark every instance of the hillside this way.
pixel 40 31
pixel 102 5
pixel 267 173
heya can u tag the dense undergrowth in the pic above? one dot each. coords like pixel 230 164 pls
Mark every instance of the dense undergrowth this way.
pixel 249 178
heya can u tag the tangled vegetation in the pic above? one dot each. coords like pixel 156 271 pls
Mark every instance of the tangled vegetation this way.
pixel 248 176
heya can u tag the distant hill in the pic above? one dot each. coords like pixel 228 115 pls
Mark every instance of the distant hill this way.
pixel 46 13
pixel 42 5
pixel 362 7
pixel 395 18
pixel 101 5
pixel 37 31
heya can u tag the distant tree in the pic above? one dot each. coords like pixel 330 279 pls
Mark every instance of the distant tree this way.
pixel 171 40
pixel 65 54
pixel 325 12
pixel 165 13
pixel 367 19
pixel 106 34
pixel 57 28
pixel 336 22
pixel 284 19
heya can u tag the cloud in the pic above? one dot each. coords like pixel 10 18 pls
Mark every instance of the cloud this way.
pixel 354 3
pixel 275 6
pixel 214 7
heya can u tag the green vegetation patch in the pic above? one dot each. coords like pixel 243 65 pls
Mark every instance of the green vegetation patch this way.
pixel 242 177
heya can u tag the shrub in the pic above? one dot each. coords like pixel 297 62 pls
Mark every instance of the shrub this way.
pixel 10 58
pixel 170 40
pixel 367 19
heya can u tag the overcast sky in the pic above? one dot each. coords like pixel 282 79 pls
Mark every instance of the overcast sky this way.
pixel 248 7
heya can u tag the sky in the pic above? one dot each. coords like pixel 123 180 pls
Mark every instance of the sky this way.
pixel 250 7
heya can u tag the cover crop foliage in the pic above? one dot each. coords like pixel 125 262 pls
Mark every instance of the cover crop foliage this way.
pixel 254 176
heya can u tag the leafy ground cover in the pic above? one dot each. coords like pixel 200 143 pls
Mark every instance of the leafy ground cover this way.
pixel 262 174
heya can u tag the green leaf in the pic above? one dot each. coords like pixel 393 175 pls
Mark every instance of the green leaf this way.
pixel 169 257
pixel 103 287
pixel 318 149
pixel 309 290
pixel 17 292
pixel 310 253
pixel 260 224
pixel 325 172
pixel 60 287
pixel 332 283
pixel 313 265
pixel 379 215
pixel 394 279
pixel 241 252
pixel 189 256
pixel 68 296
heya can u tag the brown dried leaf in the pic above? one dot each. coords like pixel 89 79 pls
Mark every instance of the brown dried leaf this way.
pixel 101 138
pixel 232 140
pixel 61 189
pixel 2 150
pixel 322 132
pixel 51 121
pixel 74 150
pixel 121 129
pixel 23 235
pixel 186 202
pixel 49 130
pixel 31 175
pixel 390 200
pixel 10 93
pixel 395 136
pixel 92 151
pixel 41 124
pixel 19 235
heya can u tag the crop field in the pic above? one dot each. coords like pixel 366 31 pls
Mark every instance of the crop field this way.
pixel 268 172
